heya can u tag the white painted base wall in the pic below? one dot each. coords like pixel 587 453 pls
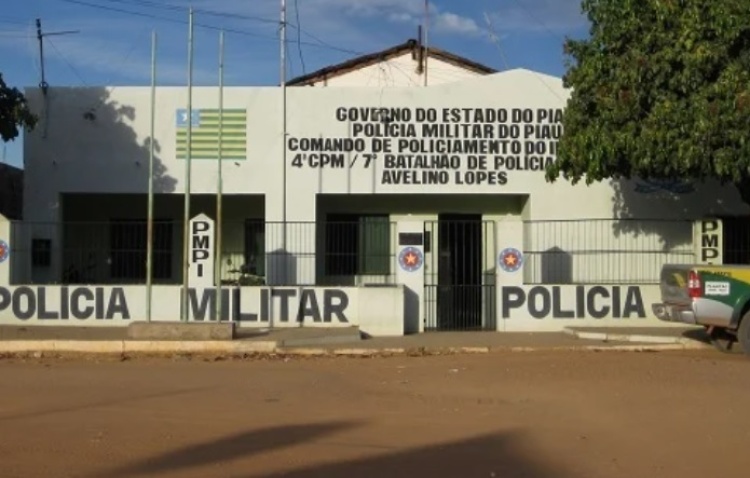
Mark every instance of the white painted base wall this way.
pixel 378 311
pixel 548 308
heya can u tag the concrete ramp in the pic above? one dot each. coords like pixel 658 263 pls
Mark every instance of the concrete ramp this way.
pixel 303 337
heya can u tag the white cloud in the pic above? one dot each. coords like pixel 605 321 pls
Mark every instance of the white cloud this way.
pixel 401 11
pixel 452 23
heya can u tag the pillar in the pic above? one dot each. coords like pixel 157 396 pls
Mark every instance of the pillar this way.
pixel 509 262
pixel 410 271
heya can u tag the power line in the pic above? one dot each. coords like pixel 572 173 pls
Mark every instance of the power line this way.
pixel 536 19
pixel 70 65
pixel 320 44
pixel 172 7
pixel 495 39
pixel 299 45
pixel 13 21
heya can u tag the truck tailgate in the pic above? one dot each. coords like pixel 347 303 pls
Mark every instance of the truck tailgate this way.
pixel 674 283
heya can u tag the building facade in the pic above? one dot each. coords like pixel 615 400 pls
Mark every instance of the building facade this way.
pixel 430 200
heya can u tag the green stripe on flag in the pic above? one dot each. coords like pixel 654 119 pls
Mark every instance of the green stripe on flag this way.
pixel 204 138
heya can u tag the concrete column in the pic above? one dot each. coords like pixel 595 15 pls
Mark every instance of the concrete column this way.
pixel 509 261
pixel 410 271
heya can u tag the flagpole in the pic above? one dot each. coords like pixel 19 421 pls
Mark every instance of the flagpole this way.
pixel 282 73
pixel 219 180
pixel 150 214
pixel 426 30
pixel 186 218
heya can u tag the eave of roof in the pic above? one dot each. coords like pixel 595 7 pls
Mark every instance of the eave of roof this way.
pixel 384 55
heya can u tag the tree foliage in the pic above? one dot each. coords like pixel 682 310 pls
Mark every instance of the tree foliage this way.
pixel 659 90
pixel 14 112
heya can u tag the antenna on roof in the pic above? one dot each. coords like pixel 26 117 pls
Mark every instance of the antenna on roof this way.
pixel 43 82
pixel 40 36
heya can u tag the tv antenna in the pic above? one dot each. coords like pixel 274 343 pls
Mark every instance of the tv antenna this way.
pixel 40 36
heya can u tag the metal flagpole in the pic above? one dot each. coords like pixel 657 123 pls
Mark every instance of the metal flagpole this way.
pixel 186 219
pixel 219 179
pixel 283 134
pixel 426 30
pixel 150 214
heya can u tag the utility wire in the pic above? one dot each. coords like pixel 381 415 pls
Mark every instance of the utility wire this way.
pixel 532 16
pixel 494 38
pixel 299 44
pixel 172 7
pixel 13 21
pixel 320 44
pixel 65 59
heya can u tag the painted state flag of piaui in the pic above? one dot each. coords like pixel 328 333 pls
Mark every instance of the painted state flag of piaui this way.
pixel 205 134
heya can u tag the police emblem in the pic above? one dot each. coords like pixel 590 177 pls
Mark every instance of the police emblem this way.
pixel 4 251
pixel 410 259
pixel 510 259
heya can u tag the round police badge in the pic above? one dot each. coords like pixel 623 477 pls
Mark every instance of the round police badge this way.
pixel 4 251
pixel 410 259
pixel 510 259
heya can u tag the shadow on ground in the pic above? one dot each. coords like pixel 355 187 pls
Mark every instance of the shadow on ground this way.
pixel 241 445
pixel 699 335
pixel 489 455
pixel 726 343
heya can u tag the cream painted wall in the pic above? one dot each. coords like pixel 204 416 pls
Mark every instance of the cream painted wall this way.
pixel 400 71
pixel 70 153
pixel 95 140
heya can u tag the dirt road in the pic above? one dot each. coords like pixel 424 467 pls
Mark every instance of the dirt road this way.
pixel 533 415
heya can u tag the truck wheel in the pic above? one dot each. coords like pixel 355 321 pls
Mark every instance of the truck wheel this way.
pixel 722 340
pixel 743 334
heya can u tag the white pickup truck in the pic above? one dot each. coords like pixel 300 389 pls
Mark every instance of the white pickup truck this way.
pixel 716 297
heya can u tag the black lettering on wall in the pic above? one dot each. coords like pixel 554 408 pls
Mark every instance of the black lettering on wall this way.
pixel 284 295
pixel 598 302
pixel 478 146
pixel 5 298
pixel 207 303
pixel 43 313
pixel 308 306
pixel 24 303
pixel 77 309
pixel 513 298
pixel 594 310
pixel 634 303
pixel 558 312
pixel 335 303
pixel 537 295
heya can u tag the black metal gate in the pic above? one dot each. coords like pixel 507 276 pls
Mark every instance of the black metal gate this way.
pixel 460 273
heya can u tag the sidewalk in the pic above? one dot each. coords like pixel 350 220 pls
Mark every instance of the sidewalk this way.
pixel 309 341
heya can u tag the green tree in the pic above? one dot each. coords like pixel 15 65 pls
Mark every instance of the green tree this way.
pixel 660 89
pixel 14 112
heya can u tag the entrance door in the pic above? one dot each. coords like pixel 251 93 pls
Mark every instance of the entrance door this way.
pixel 455 286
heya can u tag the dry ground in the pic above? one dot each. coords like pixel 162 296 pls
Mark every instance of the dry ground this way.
pixel 557 414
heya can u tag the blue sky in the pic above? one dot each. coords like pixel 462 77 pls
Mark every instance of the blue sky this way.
pixel 112 47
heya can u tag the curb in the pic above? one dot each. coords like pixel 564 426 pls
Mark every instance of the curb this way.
pixel 135 346
pixel 12 347
pixel 620 337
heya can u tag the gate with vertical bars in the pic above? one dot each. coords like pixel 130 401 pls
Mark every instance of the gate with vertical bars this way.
pixel 460 293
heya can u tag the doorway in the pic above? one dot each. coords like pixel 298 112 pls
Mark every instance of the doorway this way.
pixel 458 296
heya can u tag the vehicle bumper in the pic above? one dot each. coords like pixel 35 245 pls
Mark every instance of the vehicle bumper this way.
pixel 674 313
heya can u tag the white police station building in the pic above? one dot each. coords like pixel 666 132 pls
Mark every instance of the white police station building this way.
pixel 370 199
